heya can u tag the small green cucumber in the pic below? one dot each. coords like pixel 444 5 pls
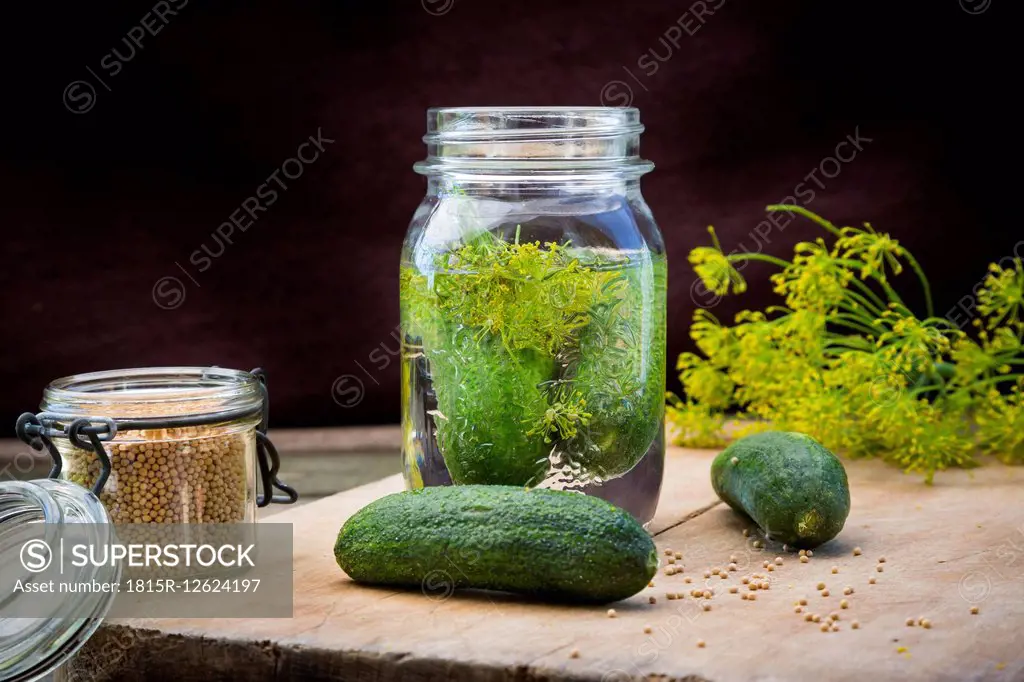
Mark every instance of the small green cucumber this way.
pixel 792 487
pixel 546 543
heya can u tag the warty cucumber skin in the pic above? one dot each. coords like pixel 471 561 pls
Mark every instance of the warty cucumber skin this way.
pixel 546 543
pixel 792 487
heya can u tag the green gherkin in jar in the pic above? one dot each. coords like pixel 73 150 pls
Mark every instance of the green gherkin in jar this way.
pixel 538 352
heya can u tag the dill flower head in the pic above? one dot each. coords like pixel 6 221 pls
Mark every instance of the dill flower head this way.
pixel 705 383
pixel 716 272
pixel 874 250
pixel 910 343
pixel 815 280
pixel 712 338
pixel 1002 295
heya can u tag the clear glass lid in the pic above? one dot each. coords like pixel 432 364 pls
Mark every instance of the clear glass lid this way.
pixel 40 630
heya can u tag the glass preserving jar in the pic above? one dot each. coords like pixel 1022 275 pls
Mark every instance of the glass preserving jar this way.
pixel 533 281
pixel 183 443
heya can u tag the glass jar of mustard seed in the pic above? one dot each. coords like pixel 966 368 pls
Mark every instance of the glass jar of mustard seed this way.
pixel 533 282
pixel 138 446
pixel 165 444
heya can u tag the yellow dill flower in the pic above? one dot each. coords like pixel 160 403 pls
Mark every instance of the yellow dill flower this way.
pixel 1002 295
pixel 815 280
pixel 874 250
pixel 847 362
pixel 715 270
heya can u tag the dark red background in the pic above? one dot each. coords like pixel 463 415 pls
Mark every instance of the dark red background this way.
pixel 99 206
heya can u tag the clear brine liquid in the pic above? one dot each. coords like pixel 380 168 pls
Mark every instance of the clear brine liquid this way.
pixel 536 364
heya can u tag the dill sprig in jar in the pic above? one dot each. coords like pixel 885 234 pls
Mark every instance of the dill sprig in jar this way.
pixel 533 282
pixel 162 445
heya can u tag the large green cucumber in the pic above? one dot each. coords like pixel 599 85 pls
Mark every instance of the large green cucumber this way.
pixel 487 401
pixel 793 488
pixel 547 543
pixel 620 372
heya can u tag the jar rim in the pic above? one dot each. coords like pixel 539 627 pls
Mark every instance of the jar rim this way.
pixel 537 145
pixel 484 123
pixel 151 391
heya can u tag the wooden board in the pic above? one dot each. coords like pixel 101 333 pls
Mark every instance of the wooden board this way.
pixel 947 547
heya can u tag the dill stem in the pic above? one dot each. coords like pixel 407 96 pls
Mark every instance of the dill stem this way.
pixel 735 257
pixel 868 305
pixel 869 293
pixel 916 267
pixel 800 210
pixel 853 322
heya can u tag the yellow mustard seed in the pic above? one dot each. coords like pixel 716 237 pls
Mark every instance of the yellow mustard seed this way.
pixel 910 622
pixel 647 629
pixel 700 643
pixel 758 544
pixel 706 606
pixel 974 610
pixel 612 613
pixel 834 615
pixel 835 628
pixel 715 571
pixel 816 618
pixel 650 584
pixel 778 561
pixel 744 596
pixel 771 568
pixel 668 552
pixel 804 559
pixel 732 559
pixel 803 552
pixel 835 569
pixel 671 560
pixel 825 627
pixel 881 559
pixel 745 580
pixel 798 609
pixel 733 567
pixel 678 555
pixel 926 624
pixel 746 532
pixel 751 597
pixel 847 590
pixel 575 653
pixel 706 594
pixel 843 604
pixel 735 460
pixel 855 625
pixel 856 551
pixel 733 589
pixel 871 581
pixel 809 617
pixel 670 596
pixel 652 600
pixel 825 593
pixel 803 601
pixel 879 568
pixel 707 574
pixel 821 586
pixel 810 552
